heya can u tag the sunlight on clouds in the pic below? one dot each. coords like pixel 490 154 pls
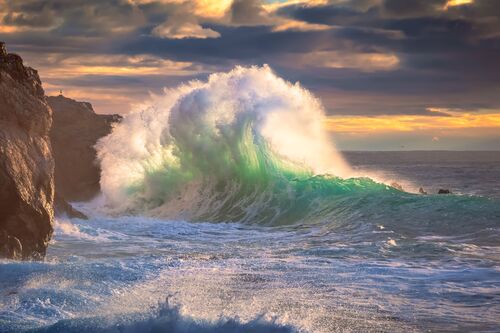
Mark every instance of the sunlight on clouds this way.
pixel 211 8
pixel 103 99
pixel 108 65
pixel 408 123
pixel 197 12
pixel 367 62
pixel 8 29
pixel 453 3
pixel 184 30
pixel 275 5
pixel 300 26
pixel 205 8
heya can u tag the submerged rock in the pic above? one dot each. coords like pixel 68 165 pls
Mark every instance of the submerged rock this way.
pixel 64 208
pixel 26 163
pixel 74 133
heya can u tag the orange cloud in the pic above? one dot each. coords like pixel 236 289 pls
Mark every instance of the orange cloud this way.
pixel 58 66
pixel 299 26
pixel 8 29
pixel 367 62
pixel 453 3
pixel 272 6
pixel 408 123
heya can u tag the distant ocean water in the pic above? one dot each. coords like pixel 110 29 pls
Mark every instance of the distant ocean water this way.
pixel 226 208
pixel 381 269
pixel 462 172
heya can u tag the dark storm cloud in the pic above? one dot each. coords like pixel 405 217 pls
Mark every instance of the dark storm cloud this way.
pixel 412 8
pixel 247 12
pixel 75 17
pixel 447 57
pixel 249 45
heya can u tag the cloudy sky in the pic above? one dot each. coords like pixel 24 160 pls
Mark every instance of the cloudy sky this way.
pixel 392 74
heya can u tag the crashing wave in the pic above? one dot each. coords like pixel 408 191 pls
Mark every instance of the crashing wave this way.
pixel 246 146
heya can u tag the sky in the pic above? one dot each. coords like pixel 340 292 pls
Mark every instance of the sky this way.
pixel 391 74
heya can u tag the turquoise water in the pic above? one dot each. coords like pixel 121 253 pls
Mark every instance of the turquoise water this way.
pixel 226 208
pixel 379 260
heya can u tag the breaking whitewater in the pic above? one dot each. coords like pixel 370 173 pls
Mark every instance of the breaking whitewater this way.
pixel 225 207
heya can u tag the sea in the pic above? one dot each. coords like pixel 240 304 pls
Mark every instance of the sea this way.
pixel 226 208
pixel 404 264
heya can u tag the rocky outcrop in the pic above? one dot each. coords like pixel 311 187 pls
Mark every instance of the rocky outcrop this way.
pixel 26 163
pixel 74 133
pixel 64 208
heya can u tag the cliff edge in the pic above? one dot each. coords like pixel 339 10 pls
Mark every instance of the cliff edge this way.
pixel 26 163
pixel 74 133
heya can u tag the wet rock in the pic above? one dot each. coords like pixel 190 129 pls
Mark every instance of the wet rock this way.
pixel 444 191
pixel 63 208
pixel 26 163
pixel 74 133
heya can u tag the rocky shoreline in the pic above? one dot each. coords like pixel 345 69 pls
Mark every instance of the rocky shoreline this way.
pixel 47 158
pixel 26 162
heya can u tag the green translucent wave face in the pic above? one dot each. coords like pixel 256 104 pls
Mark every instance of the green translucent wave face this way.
pixel 201 155
pixel 240 177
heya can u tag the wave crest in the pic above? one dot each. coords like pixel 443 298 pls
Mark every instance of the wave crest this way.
pixel 222 149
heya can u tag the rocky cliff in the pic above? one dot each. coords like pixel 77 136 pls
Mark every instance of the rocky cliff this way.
pixel 74 133
pixel 26 164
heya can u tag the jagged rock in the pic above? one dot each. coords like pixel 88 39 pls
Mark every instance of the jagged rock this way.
pixel 63 208
pixel 74 133
pixel 26 163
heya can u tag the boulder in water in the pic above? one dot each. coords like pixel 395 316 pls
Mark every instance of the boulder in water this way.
pixel 444 191
pixel 64 208
pixel 397 186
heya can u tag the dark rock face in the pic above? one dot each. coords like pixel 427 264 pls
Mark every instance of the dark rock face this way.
pixel 63 208
pixel 74 133
pixel 26 163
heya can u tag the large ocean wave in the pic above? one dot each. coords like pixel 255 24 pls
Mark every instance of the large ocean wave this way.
pixel 246 146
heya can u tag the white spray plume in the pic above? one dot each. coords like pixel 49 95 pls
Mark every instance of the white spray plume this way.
pixel 286 115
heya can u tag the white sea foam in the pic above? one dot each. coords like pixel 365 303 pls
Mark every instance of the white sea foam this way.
pixel 200 127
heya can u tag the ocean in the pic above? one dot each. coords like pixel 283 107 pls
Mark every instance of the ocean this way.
pixel 225 207
pixel 380 269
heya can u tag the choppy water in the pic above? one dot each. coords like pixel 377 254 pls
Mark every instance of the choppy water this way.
pixel 390 270
pixel 223 210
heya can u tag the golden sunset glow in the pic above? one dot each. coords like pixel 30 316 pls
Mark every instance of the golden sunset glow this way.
pixel 205 8
pixel 117 65
pixel 453 3
pixel 374 65
pixel 408 123
pixel 300 26
pixel 7 29
pixel 272 6
pixel 367 62
pixel 212 9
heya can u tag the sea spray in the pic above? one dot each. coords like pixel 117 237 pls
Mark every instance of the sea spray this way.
pixel 240 130
pixel 246 146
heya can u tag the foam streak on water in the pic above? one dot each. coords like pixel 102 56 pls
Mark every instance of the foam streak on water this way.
pixel 120 271
pixel 226 208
